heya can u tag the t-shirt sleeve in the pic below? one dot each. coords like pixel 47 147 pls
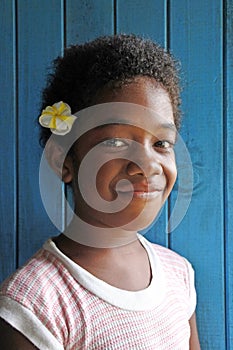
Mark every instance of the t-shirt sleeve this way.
pixel 24 321
pixel 191 288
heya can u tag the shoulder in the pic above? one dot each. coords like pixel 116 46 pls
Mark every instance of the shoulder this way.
pixel 37 274
pixel 174 264
pixel 179 274
pixel 168 256
pixel 43 280
pixel 42 293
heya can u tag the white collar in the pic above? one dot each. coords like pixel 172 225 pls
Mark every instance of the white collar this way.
pixel 145 299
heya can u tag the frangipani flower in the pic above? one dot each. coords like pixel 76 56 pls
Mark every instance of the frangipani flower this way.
pixel 58 118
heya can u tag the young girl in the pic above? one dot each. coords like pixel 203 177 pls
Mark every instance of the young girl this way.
pixel 109 119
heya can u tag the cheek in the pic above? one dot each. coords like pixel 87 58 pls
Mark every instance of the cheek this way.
pixel 170 171
pixel 106 178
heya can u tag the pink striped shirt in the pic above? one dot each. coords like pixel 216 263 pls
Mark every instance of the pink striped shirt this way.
pixel 58 305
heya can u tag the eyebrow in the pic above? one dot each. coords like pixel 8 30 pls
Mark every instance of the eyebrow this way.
pixel 170 126
pixel 109 122
pixel 113 122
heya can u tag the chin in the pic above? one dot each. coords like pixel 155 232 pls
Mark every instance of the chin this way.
pixel 135 217
pixel 139 223
pixel 135 222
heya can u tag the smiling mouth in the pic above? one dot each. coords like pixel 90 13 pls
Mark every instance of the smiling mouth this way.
pixel 146 194
pixel 141 193
pixel 141 190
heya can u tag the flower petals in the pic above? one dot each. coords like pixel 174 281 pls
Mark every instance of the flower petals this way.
pixel 58 118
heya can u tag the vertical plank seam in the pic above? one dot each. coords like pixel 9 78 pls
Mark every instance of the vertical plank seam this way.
pixel 63 45
pixel 16 131
pixel 64 27
pixel 167 29
pixel 225 163
pixel 115 29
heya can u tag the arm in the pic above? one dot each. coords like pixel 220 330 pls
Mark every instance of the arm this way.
pixel 194 341
pixel 12 339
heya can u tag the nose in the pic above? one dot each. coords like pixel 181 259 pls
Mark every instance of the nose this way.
pixel 145 163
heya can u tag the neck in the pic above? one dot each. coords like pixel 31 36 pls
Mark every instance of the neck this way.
pixel 75 249
pixel 125 267
pixel 98 237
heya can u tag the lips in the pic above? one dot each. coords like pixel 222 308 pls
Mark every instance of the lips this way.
pixel 141 190
pixel 146 195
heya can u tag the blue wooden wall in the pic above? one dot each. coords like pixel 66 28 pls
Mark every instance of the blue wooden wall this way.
pixel 200 34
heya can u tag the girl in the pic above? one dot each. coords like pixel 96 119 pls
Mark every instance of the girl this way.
pixel 100 284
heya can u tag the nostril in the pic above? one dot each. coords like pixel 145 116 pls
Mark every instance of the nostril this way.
pixel 134 169
pixel 145 168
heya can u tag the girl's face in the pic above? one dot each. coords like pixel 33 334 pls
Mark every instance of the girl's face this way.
pixel 149 169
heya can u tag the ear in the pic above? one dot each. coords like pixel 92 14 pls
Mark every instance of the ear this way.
pixel 55 157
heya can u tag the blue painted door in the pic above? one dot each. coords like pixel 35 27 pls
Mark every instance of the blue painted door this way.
pixel 200 34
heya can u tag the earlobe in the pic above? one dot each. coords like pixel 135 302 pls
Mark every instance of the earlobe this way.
pixel 67 173
pixel 55 157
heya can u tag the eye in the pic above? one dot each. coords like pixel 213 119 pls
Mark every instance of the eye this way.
pixel 115 144
pixel 164 144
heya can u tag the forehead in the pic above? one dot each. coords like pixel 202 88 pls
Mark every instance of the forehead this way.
pixel 124 114
pixel 142 103
pixel 143 91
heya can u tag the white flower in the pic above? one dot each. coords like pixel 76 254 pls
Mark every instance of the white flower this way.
pixel 58 118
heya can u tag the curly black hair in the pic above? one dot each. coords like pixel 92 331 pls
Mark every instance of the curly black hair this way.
pixel 84 70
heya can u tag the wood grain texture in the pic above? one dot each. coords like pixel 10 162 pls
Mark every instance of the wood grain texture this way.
pixel 8 137
pixel 39 41
pixel 87 19
pixel 196 38
pixel 228 146
pixel 148 19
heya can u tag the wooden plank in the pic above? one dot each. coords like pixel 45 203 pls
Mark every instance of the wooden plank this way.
pixel 196 38
pixel 87 19
pixel 145 18
pixel 8 191
pixel 150 21
pixel 228 137
pixel 40 39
